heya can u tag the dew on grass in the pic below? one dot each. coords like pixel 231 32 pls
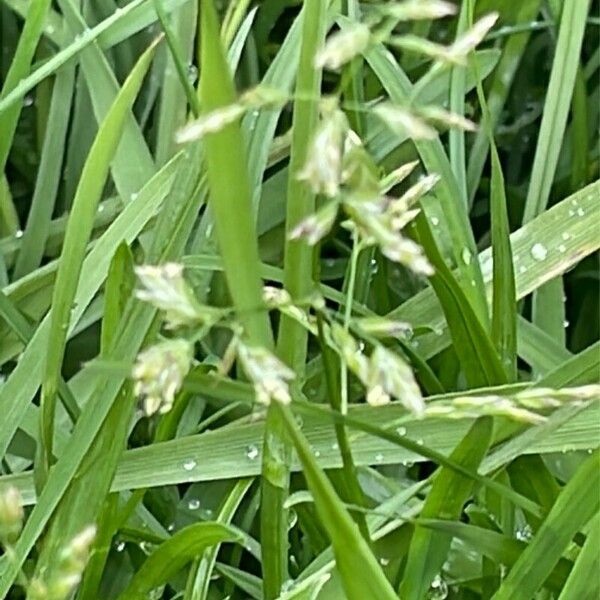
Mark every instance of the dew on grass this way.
pixel 189 464
pixel 565 236
pixel 438 590
pixel 562 248
pixel 193 504
pixel 19 233
pixel 252 452
pixel 120 546
pixel 401 431
pixel 466 256
pixel 435 221
pixel 539 251
pixel 524 533
pixel 379 457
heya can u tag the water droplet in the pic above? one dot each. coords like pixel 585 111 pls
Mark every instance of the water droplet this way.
pixel 361 345
pixel 120 546
pixel 189 464
pixel 565 236
pixel 562 248
pixel 335 446
pixel 317 453
pixel 50 29
pixel 379 457
pixel 539 251
pixel 133 196
pixel 28 100
pixel 19 233
pixel 580 212
pixel 566 323
pixel 401 431
pixel 171 527
pixel 192 73
pixel 522 269
pixel 252 452
pixel 420 441
pixel 384 562
pixel 193 504
pixel 101 208
pixel 435 221
pixel 145 547
pixel 524 533
pixel 438 589
pixel 466 256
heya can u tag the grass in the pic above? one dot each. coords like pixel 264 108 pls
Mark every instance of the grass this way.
pixel 409 409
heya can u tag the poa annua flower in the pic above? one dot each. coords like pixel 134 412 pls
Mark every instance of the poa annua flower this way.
pixel 342 46
pixel 210 122
pixel 473 37
pixel 412 10
pixel 11 514
pixel 322 170
pixel 164 287
pixel 267 373
pixel 349 349
pixel 316 226
pixel 404 121
pixel 391 377
pixel 385 328
pixel 447 118
pixel 159 373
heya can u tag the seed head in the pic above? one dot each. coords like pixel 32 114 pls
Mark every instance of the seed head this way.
pixel 342 46
pixel 11 514
pixel 268 374
pixel 159 373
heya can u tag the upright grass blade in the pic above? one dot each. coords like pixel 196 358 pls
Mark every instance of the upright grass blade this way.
pixel 36 230
pixel 576 505
pixel 504 300
pixel 77 236
pixel 578 584
pixel 19 69
pixel 499 88
pixel 361 574
pixel 448 494
pixel 175 553
pixel 297 279
pixel 229 188
pixel 556 106
pixel 480 362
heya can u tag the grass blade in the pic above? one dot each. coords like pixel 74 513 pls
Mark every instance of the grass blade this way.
pixel 361 574
pixel 175 553
pixel 446 499
pixel 575 506
pixel 77 236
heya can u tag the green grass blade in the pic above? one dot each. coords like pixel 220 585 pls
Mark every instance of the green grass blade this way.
pixel 500 86
pixel 556 106
pixel 60 58
pixel 298 276
pixel 496 546
pixel 230 195
pixel 174 554
pixel 480 362
pixel 361 574
pixel 77 236
pixel 446 499
pixel 576 505
pixel 37 228
pixel 578 584
pixel 19 69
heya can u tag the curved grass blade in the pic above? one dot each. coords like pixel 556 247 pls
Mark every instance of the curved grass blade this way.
pixel 76 239
pixel 577 504
pixel 361 574
pixel 445 500
pixel 500 548
pixel 175 553
pixel 479 360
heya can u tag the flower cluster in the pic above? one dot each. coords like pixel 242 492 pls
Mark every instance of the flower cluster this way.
pixel 159 372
